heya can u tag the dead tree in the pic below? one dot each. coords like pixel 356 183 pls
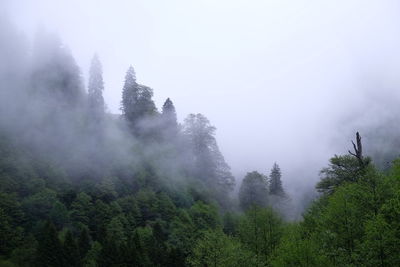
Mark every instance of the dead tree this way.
pixel 358 150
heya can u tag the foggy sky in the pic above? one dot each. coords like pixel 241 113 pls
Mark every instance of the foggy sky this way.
pixel 281 80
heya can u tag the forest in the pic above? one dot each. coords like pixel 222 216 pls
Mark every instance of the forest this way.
pixel 81 186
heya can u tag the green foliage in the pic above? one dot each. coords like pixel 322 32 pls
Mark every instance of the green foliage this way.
pixel 253 191
pixel 214 248
pixel 341 169
pixel 260 230
pixel 294 250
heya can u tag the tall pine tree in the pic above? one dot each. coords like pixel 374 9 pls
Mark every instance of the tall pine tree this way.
pixel 209 164
pixel 275 183
pixel 137 104
pixel 169 121
pixel 95 89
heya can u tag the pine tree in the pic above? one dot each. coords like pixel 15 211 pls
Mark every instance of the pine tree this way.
pixel 130 95
pixel 275 183
pixel 169 114
pixel 95 89
pixel 55 73
pixel 209 164
pixel 137 103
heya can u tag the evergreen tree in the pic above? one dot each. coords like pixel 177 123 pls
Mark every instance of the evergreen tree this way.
pixel 130 95
pixel 137 103
pixel 49 251
pixel 275 183
pixel 209 164
pixel 84 242
pixel 169 115
pixel 71 250
pixel 55 73
pixel 95 89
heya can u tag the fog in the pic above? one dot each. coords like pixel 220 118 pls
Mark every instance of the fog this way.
pixel 283 81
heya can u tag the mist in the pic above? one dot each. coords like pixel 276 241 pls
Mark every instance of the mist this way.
pixel 283 82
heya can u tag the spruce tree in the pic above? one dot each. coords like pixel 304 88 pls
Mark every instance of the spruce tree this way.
pixel 130 95
pixel 95 89
pixel 275 183
pixel 55 73
pixel 137 103
pixel 209 164
pixel 169 114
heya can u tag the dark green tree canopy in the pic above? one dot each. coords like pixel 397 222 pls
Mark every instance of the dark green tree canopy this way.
pixel 275 182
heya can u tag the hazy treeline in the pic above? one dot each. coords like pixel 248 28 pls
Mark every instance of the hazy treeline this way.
pixel 82 187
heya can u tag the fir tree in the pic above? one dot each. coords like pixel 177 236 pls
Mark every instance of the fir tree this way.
pixel 209 164
pixel 275 183
pixel 130 95
pixel 137 103
pixel 169 114
pixel 95 89
pixel 55 72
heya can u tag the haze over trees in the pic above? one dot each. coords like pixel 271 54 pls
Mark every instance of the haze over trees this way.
pixel 82 187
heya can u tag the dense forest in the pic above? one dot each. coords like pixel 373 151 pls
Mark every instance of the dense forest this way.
pixel 80 186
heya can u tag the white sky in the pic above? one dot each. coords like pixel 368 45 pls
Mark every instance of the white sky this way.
pixel 274 77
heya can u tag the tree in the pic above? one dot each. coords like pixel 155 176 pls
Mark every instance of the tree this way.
pixel 130 95
pixel 49 251
pixel 275 183
pixel 260 230
pixel 95 89
pixel 215 249
pixel 347 168
pixel 340 170
pixel 168 114
pixel 296 251
pixel 137 104
pixel 169 121
pixel 84 242
pixel 55 73
pixel 71 250
pixel 253 191
pixel 208 163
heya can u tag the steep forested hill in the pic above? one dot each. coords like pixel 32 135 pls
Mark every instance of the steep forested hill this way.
pixel 82 187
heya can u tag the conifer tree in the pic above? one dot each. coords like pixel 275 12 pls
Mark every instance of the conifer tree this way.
pixel 71 250
pixel 137 103
pixel 95 89
pixel 275 183
pixel 55 73
pixel 169 114
pixel 49 251
pixel 130 95
pixel 209 164
pixel 84 242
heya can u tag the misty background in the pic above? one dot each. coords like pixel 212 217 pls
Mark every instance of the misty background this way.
pixel 283 81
